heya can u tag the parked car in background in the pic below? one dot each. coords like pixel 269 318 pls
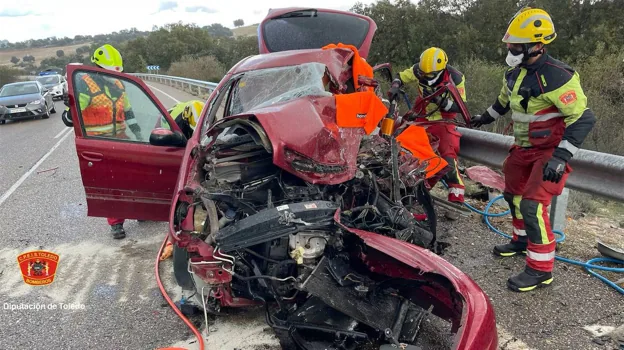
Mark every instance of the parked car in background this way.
pixel 23 100
pixel 56 83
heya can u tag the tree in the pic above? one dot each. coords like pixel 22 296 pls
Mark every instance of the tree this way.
pixel 60 53
pixel 28 58
pixel 239 23
pixel 14 60
pixel 217 30
pixel 79 50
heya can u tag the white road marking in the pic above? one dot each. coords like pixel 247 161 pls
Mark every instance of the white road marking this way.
pixel 17 184
pixel 164 93
pixel 61 132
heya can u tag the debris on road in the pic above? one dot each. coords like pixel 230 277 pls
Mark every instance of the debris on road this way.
pixel 48 170
pixel 167 252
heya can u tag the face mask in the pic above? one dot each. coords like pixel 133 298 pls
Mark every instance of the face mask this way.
pixel 514 60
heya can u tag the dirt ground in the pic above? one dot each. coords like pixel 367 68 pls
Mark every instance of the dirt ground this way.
pixel 39 53
pixel 557 317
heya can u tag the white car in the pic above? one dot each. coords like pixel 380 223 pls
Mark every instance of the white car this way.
pixel 56 83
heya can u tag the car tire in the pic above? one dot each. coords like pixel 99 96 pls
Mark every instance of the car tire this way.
pixel 46 115
pixel 53 110
pixel 180 268
pixel 2 122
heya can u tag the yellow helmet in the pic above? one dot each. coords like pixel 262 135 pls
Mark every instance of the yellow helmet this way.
pixel 107 57
pixel 432 60
pixel 192 111
pixel 530 25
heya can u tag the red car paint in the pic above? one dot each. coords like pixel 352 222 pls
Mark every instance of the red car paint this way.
pixel 116 185
pixel 114 170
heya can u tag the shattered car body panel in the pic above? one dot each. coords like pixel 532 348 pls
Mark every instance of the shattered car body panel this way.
pixel 475 315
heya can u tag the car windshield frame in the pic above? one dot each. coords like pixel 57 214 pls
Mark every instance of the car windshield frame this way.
pixel 270 86
pixel 40 79
pixel 10 86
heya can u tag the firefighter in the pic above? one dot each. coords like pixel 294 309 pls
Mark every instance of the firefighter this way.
pixel 105 108
pixel 186 115
pixel 551 120
pixel 431 70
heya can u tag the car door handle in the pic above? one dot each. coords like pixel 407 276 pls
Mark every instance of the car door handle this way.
pixel 92 156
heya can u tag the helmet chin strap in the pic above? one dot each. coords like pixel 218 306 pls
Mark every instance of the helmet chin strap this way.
pixel 527 55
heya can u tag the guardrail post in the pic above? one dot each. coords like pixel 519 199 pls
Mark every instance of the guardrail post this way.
pixel 558 209
pixel 198 90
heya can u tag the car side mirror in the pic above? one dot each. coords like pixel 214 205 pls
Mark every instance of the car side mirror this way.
pixel 385 71
pixel 166 137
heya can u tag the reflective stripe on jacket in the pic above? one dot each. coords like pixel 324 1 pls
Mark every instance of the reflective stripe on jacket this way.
pixel 549 107
pixel 100 108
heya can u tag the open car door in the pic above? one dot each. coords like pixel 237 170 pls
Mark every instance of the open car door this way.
pixel 298 28
pixel 126 174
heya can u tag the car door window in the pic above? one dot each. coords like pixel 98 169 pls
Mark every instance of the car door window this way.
pixel 112 107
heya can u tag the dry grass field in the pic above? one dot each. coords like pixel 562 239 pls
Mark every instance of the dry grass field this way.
pixel 251 30
pixel 39 53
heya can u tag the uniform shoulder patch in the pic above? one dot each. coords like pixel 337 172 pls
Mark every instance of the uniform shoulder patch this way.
pixel 568 97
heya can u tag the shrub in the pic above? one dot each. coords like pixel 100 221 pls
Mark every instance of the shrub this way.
pixel 8 75
pixel 206 68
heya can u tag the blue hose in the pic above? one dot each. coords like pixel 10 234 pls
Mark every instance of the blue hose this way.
pixel 590 265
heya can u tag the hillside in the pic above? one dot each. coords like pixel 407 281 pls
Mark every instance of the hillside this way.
pixel 39 53
pixel 251 30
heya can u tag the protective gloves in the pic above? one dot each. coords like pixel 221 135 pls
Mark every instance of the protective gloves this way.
pixel 482 119
pixel 555 168
pixel 395 89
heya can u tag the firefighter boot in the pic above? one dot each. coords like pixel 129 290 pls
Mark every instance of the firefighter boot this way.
pixel 118 231
pixel 529 279
pixel 510 249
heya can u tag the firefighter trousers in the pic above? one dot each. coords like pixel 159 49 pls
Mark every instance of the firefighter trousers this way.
pixel 528 197
pixel 448 147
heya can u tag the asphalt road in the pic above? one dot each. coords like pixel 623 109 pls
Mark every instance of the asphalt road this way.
pixel 112 282
pixel 112 279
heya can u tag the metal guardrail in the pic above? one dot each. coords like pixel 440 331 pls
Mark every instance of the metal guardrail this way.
pixel 597 173
pixel 195 87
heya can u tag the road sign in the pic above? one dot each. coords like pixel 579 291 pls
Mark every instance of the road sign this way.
pixel 153 67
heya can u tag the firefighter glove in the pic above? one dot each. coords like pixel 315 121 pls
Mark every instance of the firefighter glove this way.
pixel 395 89
pixel 136 130
pixel 554 169
pixel 482 119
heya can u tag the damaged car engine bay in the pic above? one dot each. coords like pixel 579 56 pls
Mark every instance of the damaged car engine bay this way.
pixel 261 235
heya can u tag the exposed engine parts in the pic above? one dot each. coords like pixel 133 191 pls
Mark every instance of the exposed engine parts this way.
pixel 274 237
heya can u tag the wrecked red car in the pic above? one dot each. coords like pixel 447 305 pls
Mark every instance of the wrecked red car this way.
pixel 275 201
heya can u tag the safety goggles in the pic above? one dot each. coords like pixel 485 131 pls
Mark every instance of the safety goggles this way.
pixel 428 76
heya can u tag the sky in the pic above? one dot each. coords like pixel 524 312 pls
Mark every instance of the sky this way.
pixel 36 19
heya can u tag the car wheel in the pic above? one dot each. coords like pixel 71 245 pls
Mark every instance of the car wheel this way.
pixel 2 122
pixel 180 268
pixel 47 112
pixel 53 110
